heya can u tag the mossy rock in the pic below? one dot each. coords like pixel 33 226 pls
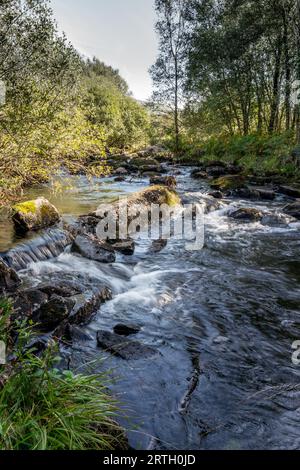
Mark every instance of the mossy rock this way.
pixel 229 183
pixel 34 215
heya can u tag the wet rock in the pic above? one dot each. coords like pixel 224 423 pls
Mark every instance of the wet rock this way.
pixel 289 191
pixel 126 247
pixel 34 215
pixel 87 304
pixel 157 246
pixel 28 301
pixel 246 214
pixel 199 174
pixel 53 312
pixel 119 179
pixel 152 195
pixel 91 248
pixel 277 219
pixel 85 224
pixel 216 194
pixel 76 333
pixel 229 183
pixel 126 330
pixel 169 181
pixel 8 278
pixel 255 194
pixel 123 348
pixel 210 204
pixel 63 288
pixel 293 209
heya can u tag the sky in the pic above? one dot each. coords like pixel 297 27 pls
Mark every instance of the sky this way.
pixel 118 32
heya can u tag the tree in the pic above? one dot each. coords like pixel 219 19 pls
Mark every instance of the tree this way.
pixel 168 73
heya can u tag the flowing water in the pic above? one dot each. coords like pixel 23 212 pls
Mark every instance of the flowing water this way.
pixel 222 319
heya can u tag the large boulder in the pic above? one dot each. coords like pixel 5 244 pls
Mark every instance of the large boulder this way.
pixel 8 278
pixel 293 209
pixel 122 347
pixel 34 215
pixel 91 248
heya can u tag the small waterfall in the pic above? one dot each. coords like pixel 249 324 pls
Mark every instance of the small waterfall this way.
pixel 49 244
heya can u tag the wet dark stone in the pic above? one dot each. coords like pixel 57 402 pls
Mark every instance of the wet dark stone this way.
pixel 246 214
pixel 123 348
pixel 8 278
pixel 53 312
pixel 255 193
pixel 293 209
pixel 28 301
pixel 62 288
pixel 119 179
pixel 199 174
pixel 91 248
pixel 169 181
pixel 289 191
pixel 126 247
pixel 87 304
pixel 126 330
pixel 216 194
pixel 157 246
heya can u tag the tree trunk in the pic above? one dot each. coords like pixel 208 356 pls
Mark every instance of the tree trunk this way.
pixel 176 120
pixel 276 86
pixel 287 71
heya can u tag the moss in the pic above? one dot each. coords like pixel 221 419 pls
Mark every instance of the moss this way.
pixel 226 183
pixel 158 195
pixel 28 207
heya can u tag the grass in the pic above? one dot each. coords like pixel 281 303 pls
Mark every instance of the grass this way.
pixel 261 154
pixel 45 408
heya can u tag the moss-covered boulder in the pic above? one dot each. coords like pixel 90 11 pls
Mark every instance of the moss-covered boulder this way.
pixel 34 215
pixel 229 183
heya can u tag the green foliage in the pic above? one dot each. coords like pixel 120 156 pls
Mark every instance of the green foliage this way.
pixel 124 120
pixel 60 110
pixel 255 152
pixel 45 408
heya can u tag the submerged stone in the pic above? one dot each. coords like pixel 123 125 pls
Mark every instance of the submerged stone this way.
pixel 123 348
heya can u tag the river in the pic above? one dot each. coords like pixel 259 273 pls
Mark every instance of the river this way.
pixel 223 320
